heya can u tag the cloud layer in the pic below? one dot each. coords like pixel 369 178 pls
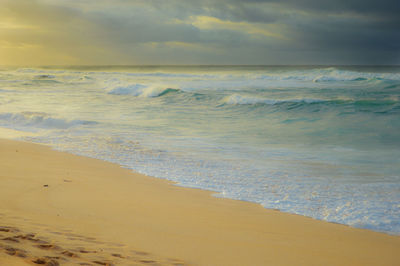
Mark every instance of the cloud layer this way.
pixel 199 32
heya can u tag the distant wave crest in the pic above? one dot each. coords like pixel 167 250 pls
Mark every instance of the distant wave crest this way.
pixel 140 90
pixel 237 99
pixel 340 78
pixel 380 106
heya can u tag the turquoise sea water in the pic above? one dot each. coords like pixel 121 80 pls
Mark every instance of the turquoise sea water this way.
pixel 318 141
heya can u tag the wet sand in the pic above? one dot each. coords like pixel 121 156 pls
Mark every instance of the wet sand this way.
pixel 61 209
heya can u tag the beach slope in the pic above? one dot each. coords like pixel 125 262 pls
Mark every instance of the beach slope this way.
pixel 60 208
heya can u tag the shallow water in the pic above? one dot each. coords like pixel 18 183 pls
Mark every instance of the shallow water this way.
pixel 321 142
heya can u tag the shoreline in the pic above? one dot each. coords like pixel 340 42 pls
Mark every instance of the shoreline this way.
pixel 74 202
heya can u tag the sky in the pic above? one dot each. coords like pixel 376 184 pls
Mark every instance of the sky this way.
pixel 261 32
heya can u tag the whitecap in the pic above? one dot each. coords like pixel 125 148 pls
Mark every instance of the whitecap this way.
pixel 243 100
pixel 140 90
pixel 133 89
pixel 32 121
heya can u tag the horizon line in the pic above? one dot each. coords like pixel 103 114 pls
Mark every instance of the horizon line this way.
pixel 207 65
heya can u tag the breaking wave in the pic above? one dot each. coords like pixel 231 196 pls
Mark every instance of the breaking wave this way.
pixel 33 121
pixel 237 99
pixel 140 90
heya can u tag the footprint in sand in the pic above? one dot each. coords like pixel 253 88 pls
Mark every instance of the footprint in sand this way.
pixel 8 229
pixel 15 252
pixel 48 246
pixel 87 251
pixel 12 239
pixel 50 254
pixel 69 254
pixel 31 237
pixel 103 263
pixel 46 262
pixel 147 261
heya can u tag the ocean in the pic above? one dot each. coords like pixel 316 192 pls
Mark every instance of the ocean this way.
pixel 318 141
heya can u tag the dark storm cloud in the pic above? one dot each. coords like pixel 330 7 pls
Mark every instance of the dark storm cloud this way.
pixel 271 10
pixel 358 6
pixel 203 31
pixel 384 9
pixel 327 27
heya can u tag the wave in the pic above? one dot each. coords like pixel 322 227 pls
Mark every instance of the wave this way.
pixel 169 75
pixel 333 75
pixel 345 78
pixel 338 78
pixel 140 90
pixel 246 99
pixel 120 82
pixel 40 71
pixel 38 120
pixel 327 75
pixel 134 89
pixel 237 99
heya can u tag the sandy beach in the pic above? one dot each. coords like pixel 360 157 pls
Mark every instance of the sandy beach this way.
pixel 61 209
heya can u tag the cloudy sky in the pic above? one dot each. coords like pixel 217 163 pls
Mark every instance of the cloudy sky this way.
pixel 59 32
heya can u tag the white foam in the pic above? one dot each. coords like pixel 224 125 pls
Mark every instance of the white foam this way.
pixel 133 89
pixel 249 100
pixel 241 99
pixel 140 90
pixel 155 91
pixel 32 121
